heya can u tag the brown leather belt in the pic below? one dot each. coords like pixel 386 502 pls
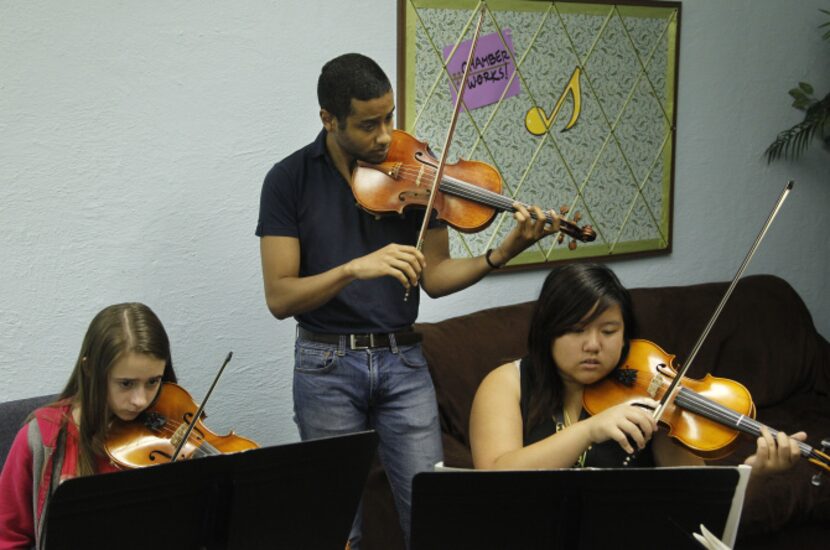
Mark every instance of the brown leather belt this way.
pixel 362 341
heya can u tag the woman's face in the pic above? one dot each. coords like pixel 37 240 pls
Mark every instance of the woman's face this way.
pixel 133 383
pixel 590 351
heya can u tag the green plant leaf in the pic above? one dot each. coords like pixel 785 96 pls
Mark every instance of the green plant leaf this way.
pixel 797 93
pixel 793 142
pixel 802 104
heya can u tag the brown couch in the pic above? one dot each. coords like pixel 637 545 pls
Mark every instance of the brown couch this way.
pixel 765 338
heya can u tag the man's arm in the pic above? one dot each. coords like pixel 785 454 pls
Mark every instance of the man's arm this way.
pixel 444 275
pixel 288 294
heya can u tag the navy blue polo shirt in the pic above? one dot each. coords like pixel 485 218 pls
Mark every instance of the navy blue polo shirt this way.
pixel 305 197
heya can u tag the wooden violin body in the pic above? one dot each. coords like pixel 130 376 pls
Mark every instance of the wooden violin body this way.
pixel 706 416
pixel 153 437
pixel 405 179
pixel 648 371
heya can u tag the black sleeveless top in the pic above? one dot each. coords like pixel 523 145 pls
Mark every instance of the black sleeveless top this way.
pixel 607 454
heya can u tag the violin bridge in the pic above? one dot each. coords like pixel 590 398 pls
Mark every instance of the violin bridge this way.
pixel 419 176
pixel 394 171
pixel 176 438
pixel 655 385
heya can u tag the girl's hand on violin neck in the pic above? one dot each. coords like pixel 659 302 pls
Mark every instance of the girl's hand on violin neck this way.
pixel 625 423
pixel 775 454
pixel 403 262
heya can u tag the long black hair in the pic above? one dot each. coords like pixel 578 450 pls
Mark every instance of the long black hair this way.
pixel 569 293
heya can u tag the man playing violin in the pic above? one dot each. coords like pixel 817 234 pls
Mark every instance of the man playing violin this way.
pixel 342 273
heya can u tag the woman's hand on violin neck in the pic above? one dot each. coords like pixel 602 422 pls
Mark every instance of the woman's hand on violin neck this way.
pixel 529 229
pixel 403 262
pixel 774 454
pixel 626 423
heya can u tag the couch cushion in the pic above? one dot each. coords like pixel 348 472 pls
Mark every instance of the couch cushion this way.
pixel 461 351
pixel 765 336
pixel 12 417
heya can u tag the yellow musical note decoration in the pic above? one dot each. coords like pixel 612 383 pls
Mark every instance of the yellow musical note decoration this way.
pixel 537 122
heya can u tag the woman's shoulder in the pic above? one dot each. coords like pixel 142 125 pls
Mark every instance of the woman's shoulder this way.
pixel 507 371
pixel 502 378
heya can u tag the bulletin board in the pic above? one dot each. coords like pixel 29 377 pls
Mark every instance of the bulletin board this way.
pixel 573 103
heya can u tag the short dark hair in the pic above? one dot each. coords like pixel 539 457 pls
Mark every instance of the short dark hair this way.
pixel 346 77
pixel 568 295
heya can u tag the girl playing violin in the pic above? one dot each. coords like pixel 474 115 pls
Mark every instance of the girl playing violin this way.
pixel 124 358
pixel 529 415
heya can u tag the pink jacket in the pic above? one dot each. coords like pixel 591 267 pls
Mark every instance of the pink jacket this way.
pixel 27 477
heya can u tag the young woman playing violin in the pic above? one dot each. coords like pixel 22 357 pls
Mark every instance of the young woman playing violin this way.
pixel 529 414
pixel 124 358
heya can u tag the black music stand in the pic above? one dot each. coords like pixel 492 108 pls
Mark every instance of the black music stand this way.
pixel 301 495
pixel 570 509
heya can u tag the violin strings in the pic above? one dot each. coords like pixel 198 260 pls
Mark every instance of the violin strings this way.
pixel 460 188
pixel 203 448
pixel 695 402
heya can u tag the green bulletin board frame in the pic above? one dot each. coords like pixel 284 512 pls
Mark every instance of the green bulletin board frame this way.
pixel 592 127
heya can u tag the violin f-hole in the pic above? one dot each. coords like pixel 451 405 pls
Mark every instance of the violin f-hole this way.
pixel 155 455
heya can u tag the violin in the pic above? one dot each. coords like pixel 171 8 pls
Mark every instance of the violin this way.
pixel 153 437
pixel 405 178
pixel 706 416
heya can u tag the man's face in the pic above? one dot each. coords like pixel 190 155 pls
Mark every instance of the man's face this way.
pixel 367 131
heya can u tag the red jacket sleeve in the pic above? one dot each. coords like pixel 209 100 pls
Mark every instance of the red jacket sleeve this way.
pixel 16 522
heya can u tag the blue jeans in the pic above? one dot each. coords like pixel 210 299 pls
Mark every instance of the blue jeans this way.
pixel 389 390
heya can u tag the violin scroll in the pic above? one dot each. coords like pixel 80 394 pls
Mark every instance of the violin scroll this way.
pixel 585 233
pixel 822 460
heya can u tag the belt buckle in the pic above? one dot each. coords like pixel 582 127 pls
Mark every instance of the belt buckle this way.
pixel 354 345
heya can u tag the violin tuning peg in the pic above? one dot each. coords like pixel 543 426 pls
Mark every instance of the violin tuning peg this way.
pixel 577 216
pixel 564 209
pixel 818 478
pixel 572 245
pixel 560 238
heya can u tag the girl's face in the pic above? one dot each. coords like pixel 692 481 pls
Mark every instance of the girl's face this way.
pixel 590 351
pixel 133 383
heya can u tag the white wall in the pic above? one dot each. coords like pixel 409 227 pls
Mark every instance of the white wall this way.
pixel 135 136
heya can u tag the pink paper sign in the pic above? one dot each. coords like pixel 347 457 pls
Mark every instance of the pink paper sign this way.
pixel 492 67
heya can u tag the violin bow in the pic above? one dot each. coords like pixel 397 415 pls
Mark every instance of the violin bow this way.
pixel 201 408
pixel 439 172
pixel 669 395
